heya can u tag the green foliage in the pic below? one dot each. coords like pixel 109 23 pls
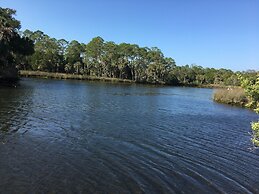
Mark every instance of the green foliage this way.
pixel 126 61
pixel 99 58
pixel 48 54
pixel 255 127
pixel 73 58
pixel 8 22
pixel 251 86
pixel 102 59
pixel 93 57
pixel 13 47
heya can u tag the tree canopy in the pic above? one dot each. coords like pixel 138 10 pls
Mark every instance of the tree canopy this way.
pixel 126 61
pixel 37 51
pixel 13 47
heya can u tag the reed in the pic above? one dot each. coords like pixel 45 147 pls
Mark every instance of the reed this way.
pixel 231 96
pixel 70 76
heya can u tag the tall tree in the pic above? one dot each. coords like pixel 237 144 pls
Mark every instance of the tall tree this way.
pixel 93 56
pixel 73 57
pixel 110 59
pixel 12 45
pixel 48 54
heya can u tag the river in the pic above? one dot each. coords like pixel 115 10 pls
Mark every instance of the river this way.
pixel 92 137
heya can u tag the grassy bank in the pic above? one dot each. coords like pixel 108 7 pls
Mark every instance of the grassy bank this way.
pixel 231 96
pixel 215 86
pixel 48 75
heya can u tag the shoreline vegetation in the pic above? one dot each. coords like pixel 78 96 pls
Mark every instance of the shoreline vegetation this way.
pixel 247 96
pixel 49 75
pixel 105 59
pixel 234 96
pixel 230 95
pixel 98 60
pixel 66 76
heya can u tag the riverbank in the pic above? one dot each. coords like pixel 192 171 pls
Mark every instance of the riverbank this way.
pixel 48 75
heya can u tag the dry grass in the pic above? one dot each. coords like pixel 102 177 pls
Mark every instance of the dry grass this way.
pixel 232 96
pixel 69 76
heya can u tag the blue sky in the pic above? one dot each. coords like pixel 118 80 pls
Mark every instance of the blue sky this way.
pixel 210 33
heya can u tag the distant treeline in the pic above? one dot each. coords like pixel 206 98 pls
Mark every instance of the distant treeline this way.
pixel 36 51
pixel 125 61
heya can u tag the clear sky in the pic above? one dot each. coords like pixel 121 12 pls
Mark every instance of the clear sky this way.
pixel 210 33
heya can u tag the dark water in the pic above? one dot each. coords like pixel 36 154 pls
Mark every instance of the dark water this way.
pixel 83 137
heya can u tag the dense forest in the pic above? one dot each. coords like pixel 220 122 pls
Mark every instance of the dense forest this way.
pixel 37 51
pixel 126 61
pixel 12 45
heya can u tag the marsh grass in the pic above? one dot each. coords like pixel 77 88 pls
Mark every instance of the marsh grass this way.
pixel 231 96
pixel 48 75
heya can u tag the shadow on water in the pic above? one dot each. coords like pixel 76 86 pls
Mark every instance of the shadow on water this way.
pixel 87 137
pixel 15 101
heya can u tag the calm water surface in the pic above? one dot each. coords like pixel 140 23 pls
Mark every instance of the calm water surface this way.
pixel 87 137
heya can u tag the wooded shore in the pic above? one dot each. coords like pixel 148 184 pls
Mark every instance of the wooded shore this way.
pixel 49 75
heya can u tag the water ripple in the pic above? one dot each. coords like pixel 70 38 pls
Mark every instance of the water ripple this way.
pixel 87 137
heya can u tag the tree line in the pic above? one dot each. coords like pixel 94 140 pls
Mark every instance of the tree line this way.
pixel 102 58
pixel 37 51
